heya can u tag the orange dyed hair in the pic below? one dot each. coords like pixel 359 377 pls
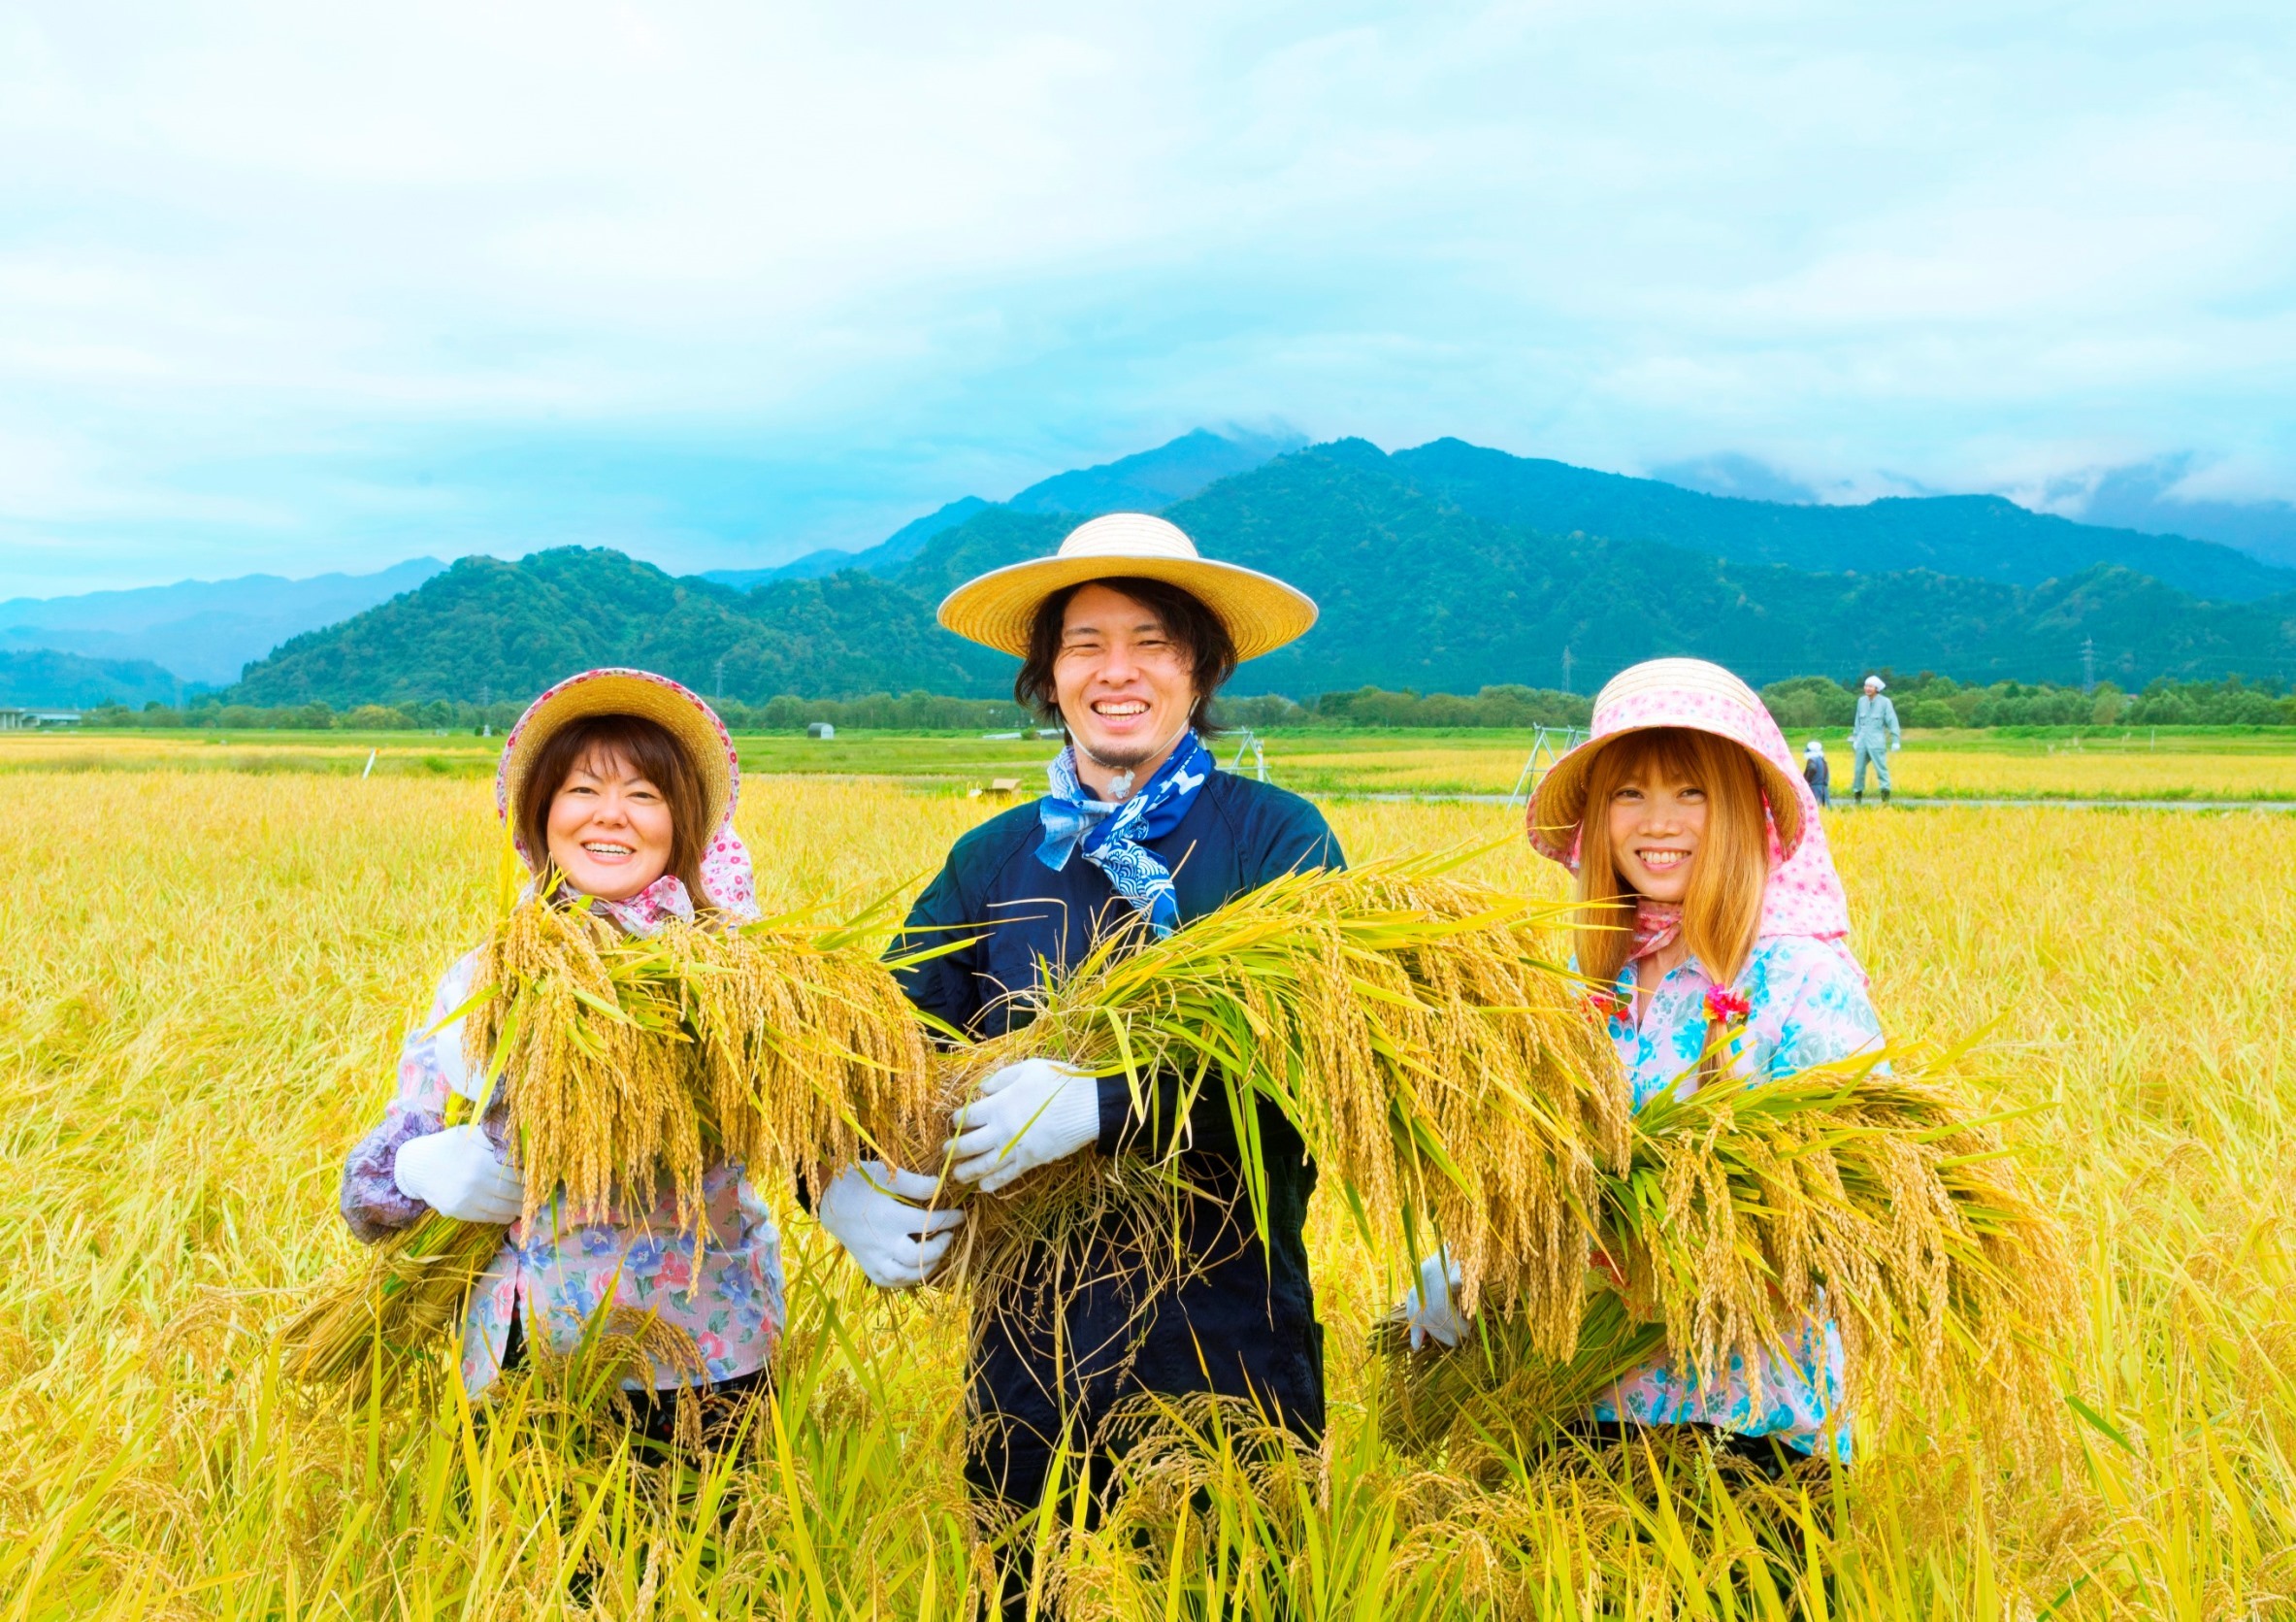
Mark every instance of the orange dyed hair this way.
pixel 1723 906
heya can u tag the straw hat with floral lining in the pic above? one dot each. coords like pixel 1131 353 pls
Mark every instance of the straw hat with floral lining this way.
pixel 1687 693
pixel 1262 613
pixel 615 691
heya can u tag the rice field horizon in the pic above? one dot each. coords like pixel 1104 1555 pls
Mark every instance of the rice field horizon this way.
pixel 2205 764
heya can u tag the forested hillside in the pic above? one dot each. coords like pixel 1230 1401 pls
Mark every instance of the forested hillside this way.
pixel 1416 592
pixel 43 679
pixel 1983 537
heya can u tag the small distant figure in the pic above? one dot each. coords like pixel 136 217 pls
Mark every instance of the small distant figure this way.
pixel 1873 734
pixel 1815 772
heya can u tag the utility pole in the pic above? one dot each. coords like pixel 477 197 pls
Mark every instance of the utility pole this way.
pixel 719 692
pixel 1566 670
pixel 2088 664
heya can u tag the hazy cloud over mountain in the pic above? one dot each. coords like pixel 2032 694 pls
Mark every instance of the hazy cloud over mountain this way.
pixel 2169 494
pixel 1729 473
pixel 290 288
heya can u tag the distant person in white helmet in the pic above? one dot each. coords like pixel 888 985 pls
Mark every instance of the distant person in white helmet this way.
pixel 1873 734
pixel 1817 773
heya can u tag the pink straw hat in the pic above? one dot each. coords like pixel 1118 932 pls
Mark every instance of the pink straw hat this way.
pixel 725 875
pixel 1687 693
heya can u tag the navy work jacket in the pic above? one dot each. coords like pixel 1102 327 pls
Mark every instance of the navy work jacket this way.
pixel 1243 1324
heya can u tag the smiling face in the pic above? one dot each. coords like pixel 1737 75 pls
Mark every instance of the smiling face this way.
pixel 1657 817
pixel 610 828
pixel 1124 684
pixel 1672 815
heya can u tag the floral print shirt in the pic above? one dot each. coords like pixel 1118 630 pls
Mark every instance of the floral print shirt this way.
pixel 728 1295
pixel 1807 1005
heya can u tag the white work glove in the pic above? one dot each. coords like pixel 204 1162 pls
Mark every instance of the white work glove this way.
pixel 1026 1116
pixel 1432 1310
pixel 870 1210
pixel 458 1173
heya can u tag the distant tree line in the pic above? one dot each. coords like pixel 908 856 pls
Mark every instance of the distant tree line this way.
pixel 207 714
pixel 1803 703
pixel 1928 701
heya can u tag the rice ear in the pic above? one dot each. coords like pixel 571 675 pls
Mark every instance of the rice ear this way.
pixel 1875 1197
pixel 1419 1032
pixel 1454 1081
pixel 627 1067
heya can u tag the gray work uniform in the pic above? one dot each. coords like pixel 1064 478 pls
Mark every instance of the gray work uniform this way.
pixel 1870 736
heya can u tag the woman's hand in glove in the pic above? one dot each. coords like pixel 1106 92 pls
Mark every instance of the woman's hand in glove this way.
pixel 1432 1311
pixel 459 1173
pixel 1026 1116
pixel 868 1210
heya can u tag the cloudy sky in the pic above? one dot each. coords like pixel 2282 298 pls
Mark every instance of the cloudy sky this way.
pixel 297 287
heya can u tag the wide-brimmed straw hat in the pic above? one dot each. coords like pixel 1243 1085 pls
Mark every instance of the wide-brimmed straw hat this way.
pixel 1262 613
pixel 1687 693
pixel 614 691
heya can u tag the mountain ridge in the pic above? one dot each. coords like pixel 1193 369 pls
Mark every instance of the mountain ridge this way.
pixel 1416 592
pixel 1983 537
pixel 205 632
pixel 1145 482
pixel 46 679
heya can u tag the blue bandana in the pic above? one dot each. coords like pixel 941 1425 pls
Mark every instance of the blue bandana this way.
pixel 1110 835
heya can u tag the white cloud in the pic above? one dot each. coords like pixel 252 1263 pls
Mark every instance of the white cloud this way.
pixel 271 274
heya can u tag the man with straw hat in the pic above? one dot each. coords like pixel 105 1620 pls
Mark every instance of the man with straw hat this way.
pixel 1124 635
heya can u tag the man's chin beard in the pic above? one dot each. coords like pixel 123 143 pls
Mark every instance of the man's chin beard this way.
pixel 1130 759
pixel 1125 759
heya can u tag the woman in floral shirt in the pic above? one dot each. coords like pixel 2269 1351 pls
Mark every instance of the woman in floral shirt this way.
pixel 622 784
pixel 1720 919
pixel 1716 919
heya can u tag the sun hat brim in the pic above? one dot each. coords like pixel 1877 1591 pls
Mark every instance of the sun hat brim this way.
pixel 1559 805
pixel 1262 613
pixel 676 710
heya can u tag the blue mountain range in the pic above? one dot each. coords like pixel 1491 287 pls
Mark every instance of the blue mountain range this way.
pixel 1446 501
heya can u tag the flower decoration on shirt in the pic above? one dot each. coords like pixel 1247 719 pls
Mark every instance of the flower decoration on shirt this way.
pixel 1727 1006
pixel 1606 1006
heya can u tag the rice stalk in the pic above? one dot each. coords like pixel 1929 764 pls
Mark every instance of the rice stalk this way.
pixel 1437 1061
pixel 635 1062
pixel 1493 1397
pixel 631 1061
pixel 1876 1199
pixel 626 1067
pixel 380 1317
pixel 1420 1034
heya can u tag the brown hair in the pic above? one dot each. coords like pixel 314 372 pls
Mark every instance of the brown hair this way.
pixel 647 749
pixel 1723 906
pixel 1200 632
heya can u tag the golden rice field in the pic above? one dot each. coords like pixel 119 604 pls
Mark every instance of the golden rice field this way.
pixel 204 977
pixel 2091 771
pixel 1952 765
pixel 2137 765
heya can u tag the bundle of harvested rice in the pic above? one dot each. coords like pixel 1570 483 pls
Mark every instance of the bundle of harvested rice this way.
pixel 627 1060
pixel 1422 1036
pixel 379 1318
pixel 626 1066
pixel 1879 1200
pixel 1752 1208
pixel 1496 1393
